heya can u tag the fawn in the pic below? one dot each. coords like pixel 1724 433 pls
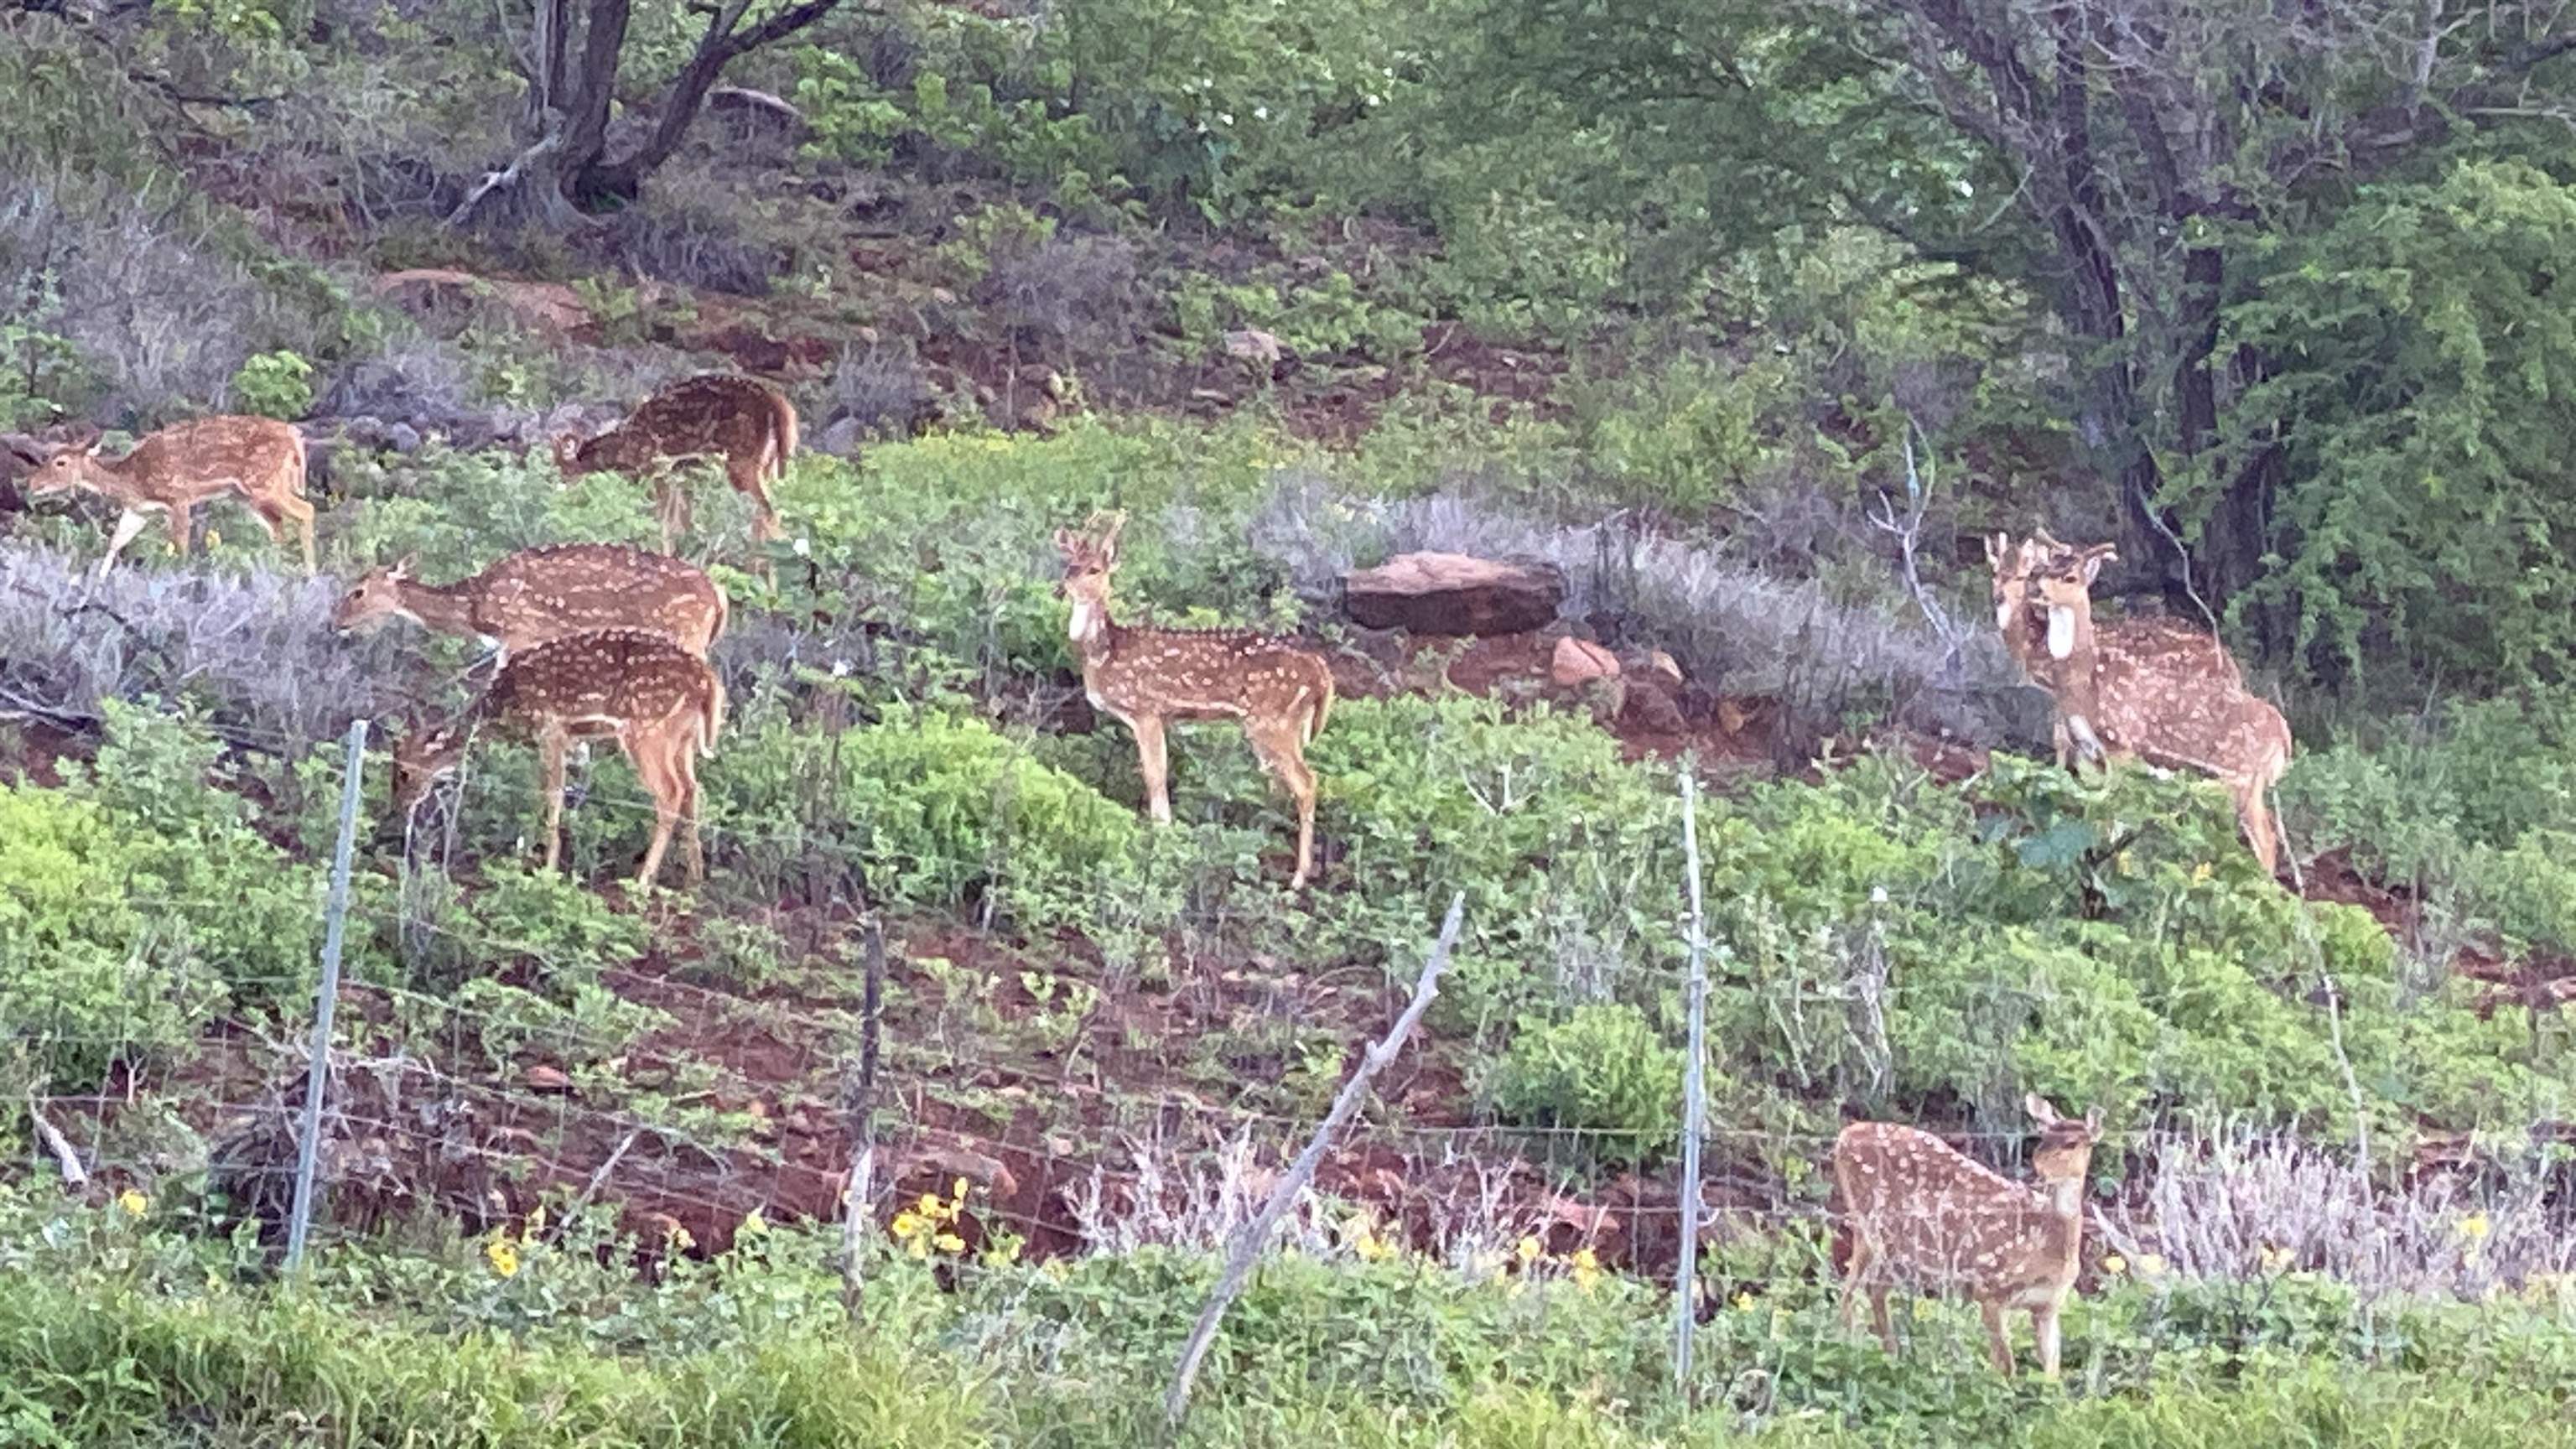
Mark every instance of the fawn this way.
pixel 662 704
pixel 1149 677
pixel 2148 689
pixel 539 594
pixel 258 460
pixel 1924 1215
pixel 747 426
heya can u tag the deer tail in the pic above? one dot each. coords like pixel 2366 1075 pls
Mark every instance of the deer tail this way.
pixel 724 612
pixel 713 712
pixel 782 432
pixel 1323 709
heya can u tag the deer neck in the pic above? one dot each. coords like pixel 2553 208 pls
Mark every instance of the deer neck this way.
pixel 2073 664
pixel 1091 629
pixel 447 608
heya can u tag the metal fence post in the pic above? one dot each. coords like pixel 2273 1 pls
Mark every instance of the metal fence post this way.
pixel 1694 1098
pixel 325 998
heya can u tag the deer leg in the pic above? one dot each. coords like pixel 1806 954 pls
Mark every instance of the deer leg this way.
pixel 175 518
pixel 1853 1275
pixel 1278 746
pixel 2044 1328
pixel 2256 819
pixel 1998 1337
pixel 1878 1317
pixel 551 745
pixel 128 524
pixel 693 856
pixel 650 754
pixel 290 509
pixel 1153 761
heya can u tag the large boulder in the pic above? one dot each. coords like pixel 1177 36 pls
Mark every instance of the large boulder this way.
pixel 1453 593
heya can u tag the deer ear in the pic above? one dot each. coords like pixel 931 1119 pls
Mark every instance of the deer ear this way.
pixel 2039 1108
pixel 1996 547
pixel 2093 564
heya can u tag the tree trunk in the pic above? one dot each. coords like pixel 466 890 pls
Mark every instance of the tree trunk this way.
pixel 585 115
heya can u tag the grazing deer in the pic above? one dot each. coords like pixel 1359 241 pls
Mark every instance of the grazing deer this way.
pixel 1150 677
pixel 662 703
pixel 1924 1215
pixel 539 594
pixel 258 460
pixel 747 426
pixel 2150 689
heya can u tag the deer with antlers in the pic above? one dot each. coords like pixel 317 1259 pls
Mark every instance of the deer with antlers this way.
pixel 748 427
pixel 258 460
pixel 661 703
pixel 1924 1215
pixel 539 594
pixel 2152 689
pixel 1147 677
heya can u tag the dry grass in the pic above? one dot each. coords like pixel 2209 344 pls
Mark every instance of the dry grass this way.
pixel 257 649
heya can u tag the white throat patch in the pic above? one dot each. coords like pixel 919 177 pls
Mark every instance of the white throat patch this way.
pixel 1083 623
pixel 2061 631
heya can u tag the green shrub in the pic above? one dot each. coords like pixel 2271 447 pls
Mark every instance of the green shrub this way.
pixel 274 385
pixel 1603 1069
pixel 88 975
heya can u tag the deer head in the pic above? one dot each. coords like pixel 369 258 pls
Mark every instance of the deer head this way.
pixel 2062 583
pixel 567 451
pixel 376 594
pixel 1089 558
pixel 2065 1151
pixel 63 468
pixel 421 754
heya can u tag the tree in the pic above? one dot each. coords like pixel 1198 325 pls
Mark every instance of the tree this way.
pixel 2134 139
pixel 566 169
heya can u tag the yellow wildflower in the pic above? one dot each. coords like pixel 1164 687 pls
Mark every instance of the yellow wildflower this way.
pixel 681 1242
pixel 2200 872
pixel 1587 1268
pixel 2114 1264
pixel 1744 1301
pixel 2149 1265
pixel 1529 1250
pixel 536 1219
pixel 503 1253
pixel 2275 1259
pixel 929 1205
pixel 959 1191
pixel 1372 1248
pixel 134 1203
pixel 907 1225
pixel 2474 1227
pixel 753 1225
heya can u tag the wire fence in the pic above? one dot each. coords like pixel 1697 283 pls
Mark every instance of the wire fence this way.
pixel 562 1080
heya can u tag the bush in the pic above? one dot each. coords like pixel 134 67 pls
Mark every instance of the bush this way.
pixel 934 806
pixel 1603 1069
pixel 139 903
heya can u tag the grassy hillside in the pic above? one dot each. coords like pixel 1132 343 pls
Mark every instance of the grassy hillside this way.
pixel 1297 291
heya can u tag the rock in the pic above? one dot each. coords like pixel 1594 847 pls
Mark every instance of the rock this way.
pixel 403 438
pixel 548 1080
pixel 1577 662
pixel 1453 593
pixel 1650 707
pixel 547 307
pixel 1664 664
pixel 758 113
pixel 840 437
pixel 948 1163
pixel 1254 345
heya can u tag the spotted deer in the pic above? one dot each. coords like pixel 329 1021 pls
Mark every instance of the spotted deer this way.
pixel 2153 690
pixel 1148 677
pixel 661 703
pixel 747 426
pixel 1925 1216
pixel 539 594
pixel 258 460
